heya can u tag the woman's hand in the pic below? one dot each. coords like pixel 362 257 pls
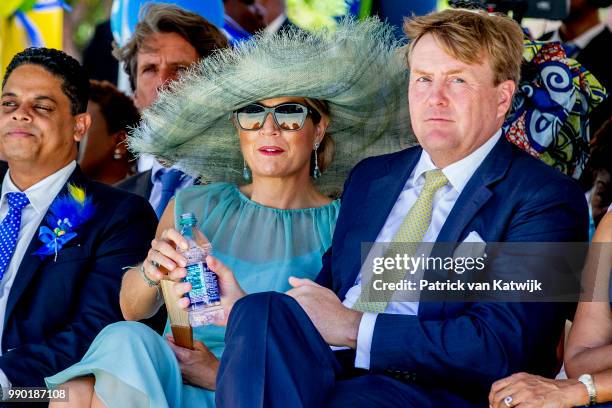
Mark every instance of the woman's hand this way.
pixel 164 260
pixel 532 391
pixel 229 288
pixel 198 366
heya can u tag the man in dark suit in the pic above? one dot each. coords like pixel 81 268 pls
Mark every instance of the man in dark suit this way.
pixel 464 183
pixel 165 43
pixel 588 40
pixel 56 294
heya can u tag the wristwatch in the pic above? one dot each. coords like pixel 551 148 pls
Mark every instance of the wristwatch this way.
pixel 587 380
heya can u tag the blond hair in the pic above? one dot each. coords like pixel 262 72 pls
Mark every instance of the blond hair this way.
pixel 470 35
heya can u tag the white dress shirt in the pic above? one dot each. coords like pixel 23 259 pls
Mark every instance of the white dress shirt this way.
pixel 458 175
pixel 156 191
pixel 41 195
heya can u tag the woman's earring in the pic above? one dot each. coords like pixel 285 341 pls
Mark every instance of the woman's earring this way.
pixel 117 154
pixel 246 173
pixel 316 172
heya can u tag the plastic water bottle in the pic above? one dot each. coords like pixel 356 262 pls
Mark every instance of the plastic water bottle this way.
pixel 204 298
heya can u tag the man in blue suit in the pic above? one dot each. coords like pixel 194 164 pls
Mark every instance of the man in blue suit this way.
pixel 60 269
pixel 464 183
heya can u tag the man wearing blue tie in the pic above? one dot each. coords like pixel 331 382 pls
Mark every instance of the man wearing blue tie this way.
pixel 166 41
pixel 464 182
pixel 64 240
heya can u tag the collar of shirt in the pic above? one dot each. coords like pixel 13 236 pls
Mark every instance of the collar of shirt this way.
pixel 234 30
pixel 583 39
pixel 460 172
pixel 41 194
pixel 157 170
pixel 276 24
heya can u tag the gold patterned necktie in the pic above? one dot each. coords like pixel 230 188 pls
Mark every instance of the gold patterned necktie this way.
pixel 410 234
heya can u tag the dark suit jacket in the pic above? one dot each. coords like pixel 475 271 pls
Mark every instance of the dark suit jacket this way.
pixel 462 346
pixel 57 307
pixel 98 58
pixel 139 184
pixel 3 169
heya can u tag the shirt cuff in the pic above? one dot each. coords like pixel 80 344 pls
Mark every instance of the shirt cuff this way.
pixel 4 381
pixel 364 340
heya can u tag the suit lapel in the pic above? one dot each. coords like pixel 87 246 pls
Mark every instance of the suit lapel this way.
pixel 378 202
pixel 473 197
pixel 147 184
pixel 30 264
pixel 477 192
pixel 141 184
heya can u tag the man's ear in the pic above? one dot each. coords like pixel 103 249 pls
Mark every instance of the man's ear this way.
pixel 506 93
pixel 82 122
pixel 136 99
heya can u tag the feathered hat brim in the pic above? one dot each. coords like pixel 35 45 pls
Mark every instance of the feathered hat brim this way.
pixel 357 69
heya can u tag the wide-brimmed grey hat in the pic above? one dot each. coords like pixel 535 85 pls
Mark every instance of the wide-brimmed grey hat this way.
pixel 357 69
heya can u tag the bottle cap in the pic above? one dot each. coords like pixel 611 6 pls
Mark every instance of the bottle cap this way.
pixel 188 219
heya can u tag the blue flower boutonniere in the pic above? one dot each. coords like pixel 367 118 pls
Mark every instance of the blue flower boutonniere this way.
pixel 66 214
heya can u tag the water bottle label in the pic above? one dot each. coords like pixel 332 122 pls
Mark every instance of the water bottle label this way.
pixel 204 285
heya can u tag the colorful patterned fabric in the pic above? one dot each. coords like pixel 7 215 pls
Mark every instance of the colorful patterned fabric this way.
pixel 549 116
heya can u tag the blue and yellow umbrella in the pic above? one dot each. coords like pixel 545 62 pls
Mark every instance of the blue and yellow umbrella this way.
pixel 29 23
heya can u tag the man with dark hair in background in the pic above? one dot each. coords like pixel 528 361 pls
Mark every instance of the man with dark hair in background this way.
pixel 64 240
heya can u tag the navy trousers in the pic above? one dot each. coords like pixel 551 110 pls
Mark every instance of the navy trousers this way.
pixel 275 357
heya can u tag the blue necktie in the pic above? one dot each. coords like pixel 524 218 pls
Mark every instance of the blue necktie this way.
pixel 571 50
pixel 9 229
pixel 169 180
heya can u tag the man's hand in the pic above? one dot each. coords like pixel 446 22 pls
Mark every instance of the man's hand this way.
pixel 229 288
pixel 337 324
pixel 198 366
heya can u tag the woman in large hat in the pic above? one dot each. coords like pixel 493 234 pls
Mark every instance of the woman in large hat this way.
pixel 267 115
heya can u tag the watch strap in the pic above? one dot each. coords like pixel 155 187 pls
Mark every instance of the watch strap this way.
pixel 587 380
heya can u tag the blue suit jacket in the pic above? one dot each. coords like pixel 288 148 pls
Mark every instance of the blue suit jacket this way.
pixel 462 346
pixel 56 307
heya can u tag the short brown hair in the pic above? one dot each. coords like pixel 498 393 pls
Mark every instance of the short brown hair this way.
pixel 168 18
pixel 468 34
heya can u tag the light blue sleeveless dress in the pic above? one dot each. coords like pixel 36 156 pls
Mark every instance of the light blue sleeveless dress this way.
pixel 134 366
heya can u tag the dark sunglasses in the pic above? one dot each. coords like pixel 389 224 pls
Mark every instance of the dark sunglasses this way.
pixel 287 116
